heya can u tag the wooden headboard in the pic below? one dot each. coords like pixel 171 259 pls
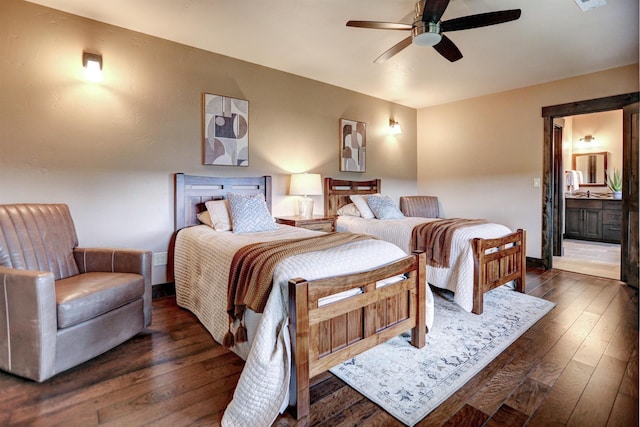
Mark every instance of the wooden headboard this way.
pixel 337 192
pixel 191 193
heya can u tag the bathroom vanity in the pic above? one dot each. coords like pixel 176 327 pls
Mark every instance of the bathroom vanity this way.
pixel 598 220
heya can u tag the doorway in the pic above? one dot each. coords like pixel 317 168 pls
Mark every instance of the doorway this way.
pixel 553 187
pixel 588 147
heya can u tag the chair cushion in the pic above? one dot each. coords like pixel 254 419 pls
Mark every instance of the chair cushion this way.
pixel 88 295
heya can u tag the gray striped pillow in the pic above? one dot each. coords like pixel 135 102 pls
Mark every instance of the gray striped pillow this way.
pixel 249 213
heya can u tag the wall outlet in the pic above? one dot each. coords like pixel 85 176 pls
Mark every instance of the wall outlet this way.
pixel 160 258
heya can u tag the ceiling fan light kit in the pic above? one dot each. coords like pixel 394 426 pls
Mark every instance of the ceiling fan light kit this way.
pixel 427 28
pixel 426 33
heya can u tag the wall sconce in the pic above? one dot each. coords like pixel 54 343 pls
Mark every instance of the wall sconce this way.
pixel 587 138
pixel 305 184
pixel 92 64
pixel 394 127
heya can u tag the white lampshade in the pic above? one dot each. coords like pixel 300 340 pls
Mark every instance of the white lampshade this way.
pixel 305 184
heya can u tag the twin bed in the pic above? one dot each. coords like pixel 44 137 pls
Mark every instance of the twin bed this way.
pixel 324 306
pixel 483 256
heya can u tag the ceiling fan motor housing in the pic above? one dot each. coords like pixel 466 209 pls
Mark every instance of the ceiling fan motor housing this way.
pixel 426 33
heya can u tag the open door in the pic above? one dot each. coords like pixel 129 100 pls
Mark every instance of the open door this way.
pixel 630 245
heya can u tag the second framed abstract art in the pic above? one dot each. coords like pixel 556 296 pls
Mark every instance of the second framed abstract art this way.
pixel 353 146
pixel 225 129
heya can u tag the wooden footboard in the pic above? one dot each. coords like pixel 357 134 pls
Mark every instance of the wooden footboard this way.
pixel 496 262
pixel 323 336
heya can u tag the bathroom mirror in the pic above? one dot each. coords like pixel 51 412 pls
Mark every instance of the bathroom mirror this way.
pixel 593 167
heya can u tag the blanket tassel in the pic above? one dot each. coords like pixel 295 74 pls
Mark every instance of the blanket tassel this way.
pixel 227 341
pixel 241 333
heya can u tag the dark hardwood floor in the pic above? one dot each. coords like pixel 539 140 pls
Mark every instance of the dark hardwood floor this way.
pixel 578 366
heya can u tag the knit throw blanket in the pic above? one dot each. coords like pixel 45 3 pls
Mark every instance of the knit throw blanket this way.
pixel 434 238
pixel 252 267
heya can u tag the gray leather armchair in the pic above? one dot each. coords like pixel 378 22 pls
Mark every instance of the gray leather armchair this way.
pixel 61 305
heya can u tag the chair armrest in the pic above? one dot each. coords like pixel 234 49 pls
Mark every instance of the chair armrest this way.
pixel 28 323
pixel 118 261
pixel 113 260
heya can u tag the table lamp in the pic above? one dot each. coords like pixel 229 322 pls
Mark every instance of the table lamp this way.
pixel 305 184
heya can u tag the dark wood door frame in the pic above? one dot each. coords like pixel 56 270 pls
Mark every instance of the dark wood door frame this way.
pixel 551 188
pixel 558 179
pixel 629 270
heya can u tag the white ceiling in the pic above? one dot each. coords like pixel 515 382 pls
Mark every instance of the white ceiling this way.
pixel 553 39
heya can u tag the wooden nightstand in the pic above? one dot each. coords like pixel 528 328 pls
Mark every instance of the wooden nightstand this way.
pixel 316 222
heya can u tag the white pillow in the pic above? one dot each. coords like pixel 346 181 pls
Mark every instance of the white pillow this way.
pixel 250 214
pixel 219 214
pixel 205 218
pixel 383 207
pixel 362 205
pixel 349 210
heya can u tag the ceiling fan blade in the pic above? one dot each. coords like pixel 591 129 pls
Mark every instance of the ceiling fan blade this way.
pixel 394 50
pixel 448 49
pixel 379 25
pixel 433 10
pixel 480 20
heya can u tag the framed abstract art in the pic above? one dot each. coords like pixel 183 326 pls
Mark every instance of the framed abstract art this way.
pixel 225 129
pixel 353 146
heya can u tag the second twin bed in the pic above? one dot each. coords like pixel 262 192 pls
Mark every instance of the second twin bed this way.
pixel 479 257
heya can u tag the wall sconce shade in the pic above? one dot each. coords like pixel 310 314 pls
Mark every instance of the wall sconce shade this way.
pixel 588 138
pixel 305 184
pixel 92 64
pixel 394 127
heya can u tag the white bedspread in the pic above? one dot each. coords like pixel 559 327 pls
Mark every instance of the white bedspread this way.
pixel 458 278
pixel 202 260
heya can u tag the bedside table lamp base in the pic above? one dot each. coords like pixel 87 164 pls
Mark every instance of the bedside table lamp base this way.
pixel 305 207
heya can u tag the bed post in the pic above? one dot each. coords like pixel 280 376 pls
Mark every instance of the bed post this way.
pixel 299 333
pixel 521 281
pixel 419 332
pixel 479 276
pixel 267 190
pixel 327 190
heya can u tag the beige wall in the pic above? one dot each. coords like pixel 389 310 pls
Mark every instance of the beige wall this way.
pixel 481 156
pixel 110 150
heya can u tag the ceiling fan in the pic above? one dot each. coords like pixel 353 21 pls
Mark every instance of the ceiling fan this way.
pixel 427 28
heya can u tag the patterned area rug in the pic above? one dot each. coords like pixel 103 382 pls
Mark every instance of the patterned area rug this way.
pixel 410 383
